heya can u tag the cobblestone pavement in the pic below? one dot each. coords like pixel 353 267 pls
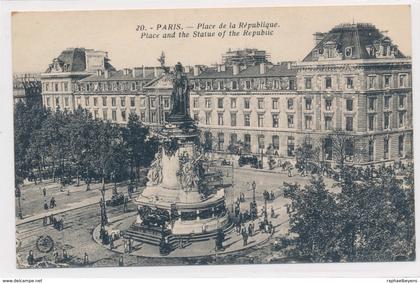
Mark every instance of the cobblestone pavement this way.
pixel 80 222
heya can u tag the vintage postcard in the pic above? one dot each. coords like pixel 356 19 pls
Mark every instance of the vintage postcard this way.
pixel 213 136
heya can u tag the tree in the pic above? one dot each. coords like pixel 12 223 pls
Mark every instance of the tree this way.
pixel 311 218
pixel 307 155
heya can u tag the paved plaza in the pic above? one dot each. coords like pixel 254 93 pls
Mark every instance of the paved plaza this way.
pixel 80 212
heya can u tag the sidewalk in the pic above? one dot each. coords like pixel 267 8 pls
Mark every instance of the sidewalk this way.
pixel 75 204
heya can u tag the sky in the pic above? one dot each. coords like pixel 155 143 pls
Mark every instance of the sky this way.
pixel 39 37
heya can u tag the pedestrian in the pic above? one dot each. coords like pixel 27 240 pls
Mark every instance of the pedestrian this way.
pixel 56 256
pixel 272 197
pixel 121 261
pixel 250 229
pixel 45 205
pixel 44 192
pixel 111 243
pixel 289 171
pixel 130 245
pixel 85 259
pixel 245 238
pixel 125 247
pixel 31 259
pixel 273 214
pixel 65 256
pixel 125 204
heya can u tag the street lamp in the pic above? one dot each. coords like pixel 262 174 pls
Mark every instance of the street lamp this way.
pixel 18 195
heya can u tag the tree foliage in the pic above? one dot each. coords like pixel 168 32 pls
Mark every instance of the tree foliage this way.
pixel 371 218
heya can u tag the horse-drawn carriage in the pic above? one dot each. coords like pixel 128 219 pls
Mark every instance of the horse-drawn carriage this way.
pixel 116 199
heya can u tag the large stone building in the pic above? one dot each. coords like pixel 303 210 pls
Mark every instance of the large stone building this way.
pixel 27 86
pixel 354 80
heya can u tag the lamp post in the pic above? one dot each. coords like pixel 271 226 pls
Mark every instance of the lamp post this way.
pixel 18 195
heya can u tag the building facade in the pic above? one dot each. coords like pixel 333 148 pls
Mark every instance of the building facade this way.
pixel 27 86
pixel 354 81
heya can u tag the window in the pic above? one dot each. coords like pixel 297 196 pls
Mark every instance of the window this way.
pixel 386 121
pixel 328 82
pixel 66 86
pixel 328 122
pixel 95 114
pixel 349 148
pixel 290 123
pixel 234 85
pixel 114 115
pixel 104 114
pixel 208 85
pixel 104 101
pixel 308 122
pixel 308 83
pixel 308 103
pixel 328 148
pixel 233 103
pixel 275 120
pixel 401 101
pixel 143 116
pixel 402 80
pixel 233 119
pixel 292 84
pixel 371 150
pixel 275 103
pixel 208 118
pixel 166 102
pixel 401 119
pixel 220 119
pixel 247 140
pixel 56 87
pixel 142 102
pixel 47 86
pixel 290 103
pixel 208 102
pixel 261 142
pixel 133 86
pixel 275 142
pixel 48 101
pixel 152 102
pixel 350 84
pixel 220 141
pixel 87 87
pixel 195 102
pixel 371 103
pixel 260 120
pixel 123 115
pixel 349 104
pixel 153 117
pixel 247 120
pixel 66 101
pixel 276 84
pixel 386 148
pixel 401 146
pixel 349 124
pixel 220 85
pixel 328 104
pixel 387 81
pixel 290 146
pixel 246 103
pixel 372 82
pixel 371 122
pixel 132 101
pixel 196 117
pixel 95 101
pixel 122 101
pixel 78 101
pixel 387 100
pixel 248 84
pixel 260 103
pixel 233 138
pixel 87 101
pixel 57 101
pixel 220 103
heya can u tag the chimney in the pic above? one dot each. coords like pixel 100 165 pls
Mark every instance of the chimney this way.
pixel 106 73
pixel 289 65
pixel 126 71
pixel 223 68
pixel 235 69
pixel 155 72
pixel 219 67
pixel 318 36
pixel 99 72
pixel 144 71
pixel 196 70
pixel 262 68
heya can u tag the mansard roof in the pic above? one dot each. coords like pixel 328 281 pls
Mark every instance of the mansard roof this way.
pixel 277 70
pixel 365 41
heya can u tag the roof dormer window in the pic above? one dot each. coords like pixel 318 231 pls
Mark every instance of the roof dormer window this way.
pixel 349 51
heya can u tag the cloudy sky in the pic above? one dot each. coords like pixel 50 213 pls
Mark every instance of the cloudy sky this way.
pixel 38 37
